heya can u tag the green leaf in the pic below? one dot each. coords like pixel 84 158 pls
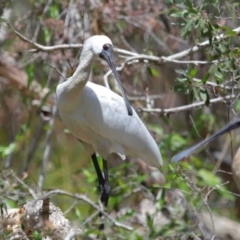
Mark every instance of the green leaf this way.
pixel 193 72
pixel 219 76
pixel 30 73
pixel 155 128
pixel 173 141
pixel 78 213
pixel 210 33
pixel 180 88
pixel 53 11
pixel 226 194
pixel 36 236
pixel 187 28
pixel 237 106
pixel 228 31
pixel 149 221
pixel 178 14
pixel 89 176
pixel 205 77
pixel 209 178
pixel 182 80
pixel 204 96
pixel 153 72
pixel 47 35
pixel 181 72
pixel 7 150
pixel 196 94
pixel 202 22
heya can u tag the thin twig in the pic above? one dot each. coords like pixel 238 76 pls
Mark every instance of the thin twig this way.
pixel 90 218
pixel 197 191
pixel 87 200
pixel 30 190
pixel 222 171
pixel 220 85
pixel 71 207
pixel 46 153
pixel 194 125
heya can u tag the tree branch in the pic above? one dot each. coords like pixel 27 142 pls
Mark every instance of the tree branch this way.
pixel 135 56
pixel 201 45
pixel 87 200
pixel 186 107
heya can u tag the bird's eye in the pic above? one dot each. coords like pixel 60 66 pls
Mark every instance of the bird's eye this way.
pixel 105 47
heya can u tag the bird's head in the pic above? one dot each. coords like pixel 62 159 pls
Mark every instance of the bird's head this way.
pixel 101 46
pixel 98 44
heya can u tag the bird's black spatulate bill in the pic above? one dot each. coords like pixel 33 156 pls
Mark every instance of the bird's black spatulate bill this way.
pixel 107 56
pixel 187 152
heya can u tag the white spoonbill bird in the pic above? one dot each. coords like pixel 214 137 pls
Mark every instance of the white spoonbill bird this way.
pixel 100 119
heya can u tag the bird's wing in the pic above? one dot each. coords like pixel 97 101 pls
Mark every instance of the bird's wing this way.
pixel 106 114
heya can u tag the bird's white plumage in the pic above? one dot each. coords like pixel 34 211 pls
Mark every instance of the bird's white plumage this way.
pixel 95 43
pixel 98 117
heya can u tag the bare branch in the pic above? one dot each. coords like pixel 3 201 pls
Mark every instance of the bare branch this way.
pixel 43 48
pixel 220 85
pixel 163 59
pixel 201 45
pixel 87 200
pixel 185 107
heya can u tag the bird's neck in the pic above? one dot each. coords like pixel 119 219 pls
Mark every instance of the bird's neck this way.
pixel 81 75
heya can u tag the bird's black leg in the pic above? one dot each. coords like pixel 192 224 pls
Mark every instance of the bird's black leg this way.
pixel 98 171
pixel 107 188
pixel 103 184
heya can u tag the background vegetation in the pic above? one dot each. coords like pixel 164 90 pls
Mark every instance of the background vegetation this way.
pixel 181 73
